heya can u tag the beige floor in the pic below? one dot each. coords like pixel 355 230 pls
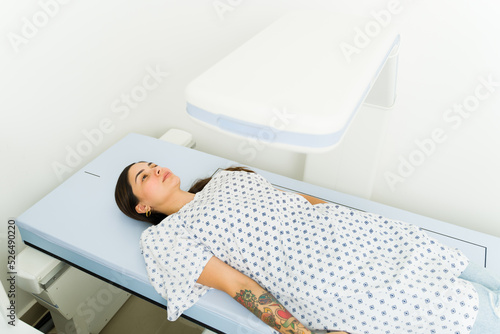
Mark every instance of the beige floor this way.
pixel 137 316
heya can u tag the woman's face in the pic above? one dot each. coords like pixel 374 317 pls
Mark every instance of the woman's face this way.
pixel 154 186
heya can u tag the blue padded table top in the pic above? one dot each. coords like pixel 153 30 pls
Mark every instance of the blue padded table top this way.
pixel 80 223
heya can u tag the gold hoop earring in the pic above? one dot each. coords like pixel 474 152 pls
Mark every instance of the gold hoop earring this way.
pixel 148 213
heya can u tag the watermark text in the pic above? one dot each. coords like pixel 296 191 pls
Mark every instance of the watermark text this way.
pixel 11 272
pixel 31 26
pixel 122 107
pixel 453 118
pixel 278 122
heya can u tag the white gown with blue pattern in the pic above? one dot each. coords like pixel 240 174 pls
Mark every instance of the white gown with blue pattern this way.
pixel 332 267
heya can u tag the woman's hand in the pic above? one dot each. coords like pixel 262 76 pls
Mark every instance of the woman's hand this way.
pixel 313 201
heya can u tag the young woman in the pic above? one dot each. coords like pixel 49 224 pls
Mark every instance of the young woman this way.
pixel 298 263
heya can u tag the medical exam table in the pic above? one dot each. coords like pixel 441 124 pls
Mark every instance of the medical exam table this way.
pixel 79 223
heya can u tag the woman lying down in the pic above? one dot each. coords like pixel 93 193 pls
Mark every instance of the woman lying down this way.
pixel 298 263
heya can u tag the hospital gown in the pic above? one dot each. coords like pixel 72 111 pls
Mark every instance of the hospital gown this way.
pixel 331 266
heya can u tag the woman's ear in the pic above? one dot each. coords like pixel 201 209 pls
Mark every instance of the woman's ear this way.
pixel 142 208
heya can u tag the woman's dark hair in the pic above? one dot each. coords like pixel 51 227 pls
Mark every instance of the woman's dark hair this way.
pixel 127 201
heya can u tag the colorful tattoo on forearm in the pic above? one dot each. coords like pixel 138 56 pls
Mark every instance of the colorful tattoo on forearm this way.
pixel 269 310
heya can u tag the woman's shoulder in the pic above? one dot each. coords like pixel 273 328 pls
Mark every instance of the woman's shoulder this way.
pixel 237 175
pixel 147 236
pixel 229 182
pixel 170 225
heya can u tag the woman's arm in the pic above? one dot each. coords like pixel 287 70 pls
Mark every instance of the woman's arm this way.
pixel 312 200
pixel 247 292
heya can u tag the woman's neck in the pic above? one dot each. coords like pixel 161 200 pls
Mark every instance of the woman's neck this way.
pixel 181 199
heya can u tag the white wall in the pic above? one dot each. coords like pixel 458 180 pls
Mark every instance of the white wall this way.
pixel 72 74
pixel 448 49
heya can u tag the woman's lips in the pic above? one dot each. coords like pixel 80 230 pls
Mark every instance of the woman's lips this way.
pixel 166 175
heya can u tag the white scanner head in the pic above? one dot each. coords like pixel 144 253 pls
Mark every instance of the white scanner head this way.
pixel 298 83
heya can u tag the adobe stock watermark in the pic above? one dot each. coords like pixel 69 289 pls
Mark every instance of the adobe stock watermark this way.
pixel 363 36
pixel 122 108
pixel 454 118
pixel 223 7
pixel 109 295
pixel 31 26
pixel 11 273
pixel 278 122
pixel 89 309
